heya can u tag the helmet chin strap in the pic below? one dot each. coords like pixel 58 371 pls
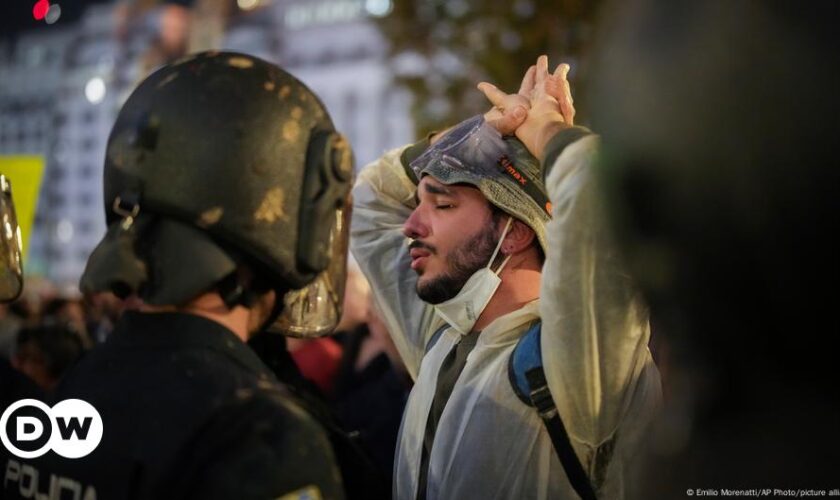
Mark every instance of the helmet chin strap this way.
pixel 276 309
pixel 237 289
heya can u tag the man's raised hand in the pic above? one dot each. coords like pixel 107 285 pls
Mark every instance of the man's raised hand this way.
pixel 509 110
pixel 551 107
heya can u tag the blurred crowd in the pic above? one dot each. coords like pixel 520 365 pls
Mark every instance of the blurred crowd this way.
pixel 45 331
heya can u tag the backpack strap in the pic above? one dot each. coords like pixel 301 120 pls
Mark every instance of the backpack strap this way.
pixel 525 370
pixel 435 337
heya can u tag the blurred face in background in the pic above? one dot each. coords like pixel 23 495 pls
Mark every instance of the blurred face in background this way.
pixel 44 353
pixel 32 362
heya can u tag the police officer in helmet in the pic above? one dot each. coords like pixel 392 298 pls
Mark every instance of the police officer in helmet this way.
pixel 225 185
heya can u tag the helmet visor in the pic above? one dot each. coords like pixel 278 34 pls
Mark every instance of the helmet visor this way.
pixel 315 310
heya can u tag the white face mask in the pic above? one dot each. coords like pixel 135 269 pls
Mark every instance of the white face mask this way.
pixel 463 310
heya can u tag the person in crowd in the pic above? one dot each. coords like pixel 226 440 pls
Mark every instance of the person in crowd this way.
pixel 469 241
pixel 219 171
pixel 372 387
pixel 68 311
pixel 317 359
pixel 102 311
pixel 45 353
pixel 10 324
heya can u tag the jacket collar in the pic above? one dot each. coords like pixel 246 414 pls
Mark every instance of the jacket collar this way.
pixel 174 330
pixel 508 328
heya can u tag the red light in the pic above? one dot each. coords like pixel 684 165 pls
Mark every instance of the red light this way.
pixel 39 11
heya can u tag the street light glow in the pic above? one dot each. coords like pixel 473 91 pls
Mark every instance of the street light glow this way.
pixel 39 10
pixel 53 14
pixel 379 8
pixel 95 90
pixel 247 4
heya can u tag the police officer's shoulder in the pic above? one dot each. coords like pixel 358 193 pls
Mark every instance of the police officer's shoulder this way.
pixel 258 445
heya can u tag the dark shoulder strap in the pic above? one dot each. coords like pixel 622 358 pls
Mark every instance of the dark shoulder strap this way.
pixel 435 337
pixel 527 376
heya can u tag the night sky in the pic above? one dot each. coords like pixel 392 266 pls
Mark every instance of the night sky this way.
pixel 16 15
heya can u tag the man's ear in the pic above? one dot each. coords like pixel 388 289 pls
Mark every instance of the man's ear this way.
pixel 519 237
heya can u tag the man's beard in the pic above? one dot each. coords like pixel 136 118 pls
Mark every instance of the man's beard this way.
pixel 464 261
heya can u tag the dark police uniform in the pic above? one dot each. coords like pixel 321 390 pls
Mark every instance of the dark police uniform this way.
pixel 188 411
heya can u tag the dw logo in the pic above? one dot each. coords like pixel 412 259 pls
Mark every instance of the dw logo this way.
pixel 72 428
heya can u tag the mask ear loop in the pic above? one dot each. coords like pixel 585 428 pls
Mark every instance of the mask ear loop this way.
pixel 498 247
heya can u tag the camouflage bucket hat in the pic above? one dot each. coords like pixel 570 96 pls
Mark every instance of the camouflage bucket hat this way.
pixel 500 167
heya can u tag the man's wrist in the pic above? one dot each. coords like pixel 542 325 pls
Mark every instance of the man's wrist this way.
pixel 544 136
pixel 537 134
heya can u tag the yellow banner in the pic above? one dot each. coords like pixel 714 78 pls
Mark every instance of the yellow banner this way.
pixel 25 174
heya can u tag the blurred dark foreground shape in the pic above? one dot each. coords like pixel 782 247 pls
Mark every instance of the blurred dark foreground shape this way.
pixel 720 126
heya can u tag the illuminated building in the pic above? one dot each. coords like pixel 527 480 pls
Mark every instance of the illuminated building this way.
pixel 61 87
